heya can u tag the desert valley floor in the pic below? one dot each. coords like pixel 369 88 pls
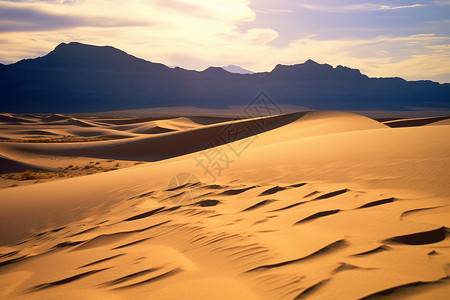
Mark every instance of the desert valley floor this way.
pixel 315 205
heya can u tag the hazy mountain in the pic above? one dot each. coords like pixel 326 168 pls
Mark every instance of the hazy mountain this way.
pixel 83 78
pixel 236 69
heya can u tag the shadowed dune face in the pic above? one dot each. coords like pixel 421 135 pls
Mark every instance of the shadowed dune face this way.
pixel 415 122
pixel 321 205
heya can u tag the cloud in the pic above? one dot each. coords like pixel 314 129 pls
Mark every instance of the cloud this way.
pixel 338 8
pixel 30 18
pixel 388 7
pixel 444 2
pixel 353 7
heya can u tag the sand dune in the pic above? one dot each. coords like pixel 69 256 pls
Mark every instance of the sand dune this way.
pixel 316 205
pixel 442 122
pixel 10 165
pixel 318 123
pixel 415 121
pixel 183 136
pixel 9 118
pixel 153 148
pixel 71 121
pixel 55 117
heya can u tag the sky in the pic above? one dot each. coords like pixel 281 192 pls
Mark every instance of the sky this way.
pixel 382 38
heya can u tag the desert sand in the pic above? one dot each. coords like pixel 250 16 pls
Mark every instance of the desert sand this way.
pixel 309 205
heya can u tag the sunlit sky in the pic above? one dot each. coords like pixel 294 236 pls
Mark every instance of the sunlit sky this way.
pixel 409 39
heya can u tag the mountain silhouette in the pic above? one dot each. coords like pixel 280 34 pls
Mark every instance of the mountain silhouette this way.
pixel 75 77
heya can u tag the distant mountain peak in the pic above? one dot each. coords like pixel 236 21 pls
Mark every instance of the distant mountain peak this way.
pixel 80 50
pixel 79 56
pixel 311 70
pixel 215 70
pixel 307 66
pixel 71 44
pixel 310 62
pixel 90 46
pixel 236 69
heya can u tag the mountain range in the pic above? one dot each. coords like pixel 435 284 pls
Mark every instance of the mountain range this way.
pixel 76 77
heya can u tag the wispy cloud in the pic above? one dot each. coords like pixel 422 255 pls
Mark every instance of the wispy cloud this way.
pixel 353 7
pixel 443 2
pixel 338 8
pixel 389 7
